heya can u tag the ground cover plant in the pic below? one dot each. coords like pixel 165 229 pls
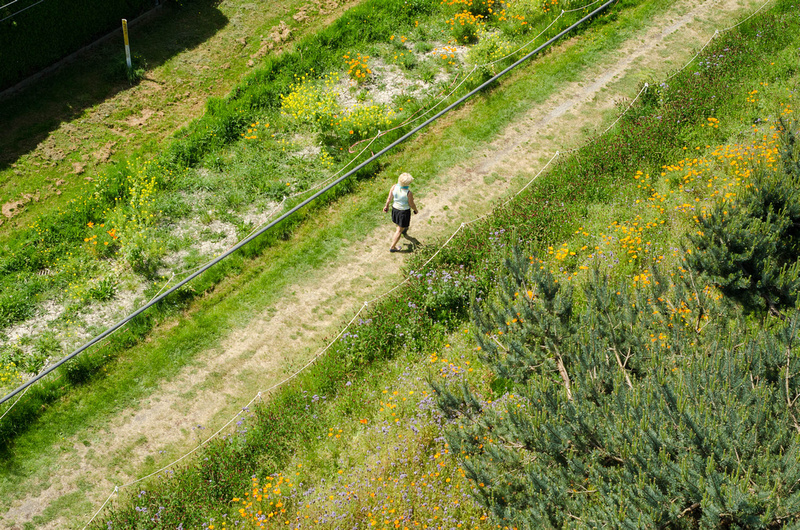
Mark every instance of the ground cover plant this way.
pixel 649 216
pixel 123 238
pixel 629 407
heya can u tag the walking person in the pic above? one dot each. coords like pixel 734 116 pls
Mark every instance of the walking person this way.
pixel 402 201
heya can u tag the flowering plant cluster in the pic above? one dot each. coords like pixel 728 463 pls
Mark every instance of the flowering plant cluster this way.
pixel 358 68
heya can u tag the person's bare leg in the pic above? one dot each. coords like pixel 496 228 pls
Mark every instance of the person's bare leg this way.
pixel 396 237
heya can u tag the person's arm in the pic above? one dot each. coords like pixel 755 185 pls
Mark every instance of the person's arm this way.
pixel 388 200
pixel 411 202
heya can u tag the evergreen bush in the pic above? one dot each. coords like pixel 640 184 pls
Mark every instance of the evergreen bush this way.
pixel 749 247
pixel 639 408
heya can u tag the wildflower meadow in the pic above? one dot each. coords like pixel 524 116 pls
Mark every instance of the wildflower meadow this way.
pixel 559 350
pixel 147 222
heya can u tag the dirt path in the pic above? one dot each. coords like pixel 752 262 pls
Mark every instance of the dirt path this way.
pixel 257 355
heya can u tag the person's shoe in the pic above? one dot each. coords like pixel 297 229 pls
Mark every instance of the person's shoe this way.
pixel 394 249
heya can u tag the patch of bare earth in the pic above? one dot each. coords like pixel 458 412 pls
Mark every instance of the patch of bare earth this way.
pixel 281 339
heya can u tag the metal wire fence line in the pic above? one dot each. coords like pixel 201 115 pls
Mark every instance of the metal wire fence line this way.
pixel 307 201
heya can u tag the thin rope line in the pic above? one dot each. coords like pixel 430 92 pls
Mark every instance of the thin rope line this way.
pixel 235 416
pixel 597 137
pixel 530 41
pixel 534 178
pixel 696 55
pixel 8 4
pixel 21 10
pixel 15 402
pixel 390 291
pixel 582 8
pixel 443 245
pixel 754 13
pixel 164 287
pixel 475 68
pixel 201 444
pixel 430 109
pixel 318 185
pixel 116 489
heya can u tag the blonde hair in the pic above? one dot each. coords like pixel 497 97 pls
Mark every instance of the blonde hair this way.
pixel 405 179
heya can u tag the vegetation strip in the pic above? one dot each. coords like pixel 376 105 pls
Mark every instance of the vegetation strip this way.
pixel 289 213
pixel 679 105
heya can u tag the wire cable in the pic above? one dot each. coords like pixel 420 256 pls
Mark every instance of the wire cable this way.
pixel 21 10
pixel 696 55
pixel 8 4
pixel 363 164
pixel 597 137
pixel 582 8
pixel 474 69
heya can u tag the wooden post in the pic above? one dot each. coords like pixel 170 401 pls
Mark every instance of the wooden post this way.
pixel 127 45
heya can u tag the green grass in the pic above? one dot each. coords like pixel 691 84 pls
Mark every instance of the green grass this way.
pixel 470 249
pixel 375 194
pixel 161 365
pixel 126 218
pixel 147 188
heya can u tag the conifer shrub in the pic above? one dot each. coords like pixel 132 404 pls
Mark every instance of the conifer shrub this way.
pixel 644 407
pixel 749 247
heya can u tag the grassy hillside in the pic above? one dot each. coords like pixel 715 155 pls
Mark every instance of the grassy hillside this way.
pixel 339 446
pixel 148 222
pixel 146 365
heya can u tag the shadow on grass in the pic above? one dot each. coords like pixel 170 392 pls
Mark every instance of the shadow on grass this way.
pixel 29 116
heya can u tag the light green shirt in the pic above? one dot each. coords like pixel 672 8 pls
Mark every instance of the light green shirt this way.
pixel 400 195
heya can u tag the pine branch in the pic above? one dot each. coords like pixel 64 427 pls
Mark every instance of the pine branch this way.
pixel 701 309
pixel 789 400
pixel 622 366
pixel 689 510
pixel 498 343
pixel 563 371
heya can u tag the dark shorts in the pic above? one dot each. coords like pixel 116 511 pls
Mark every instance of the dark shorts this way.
pixel 401 218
